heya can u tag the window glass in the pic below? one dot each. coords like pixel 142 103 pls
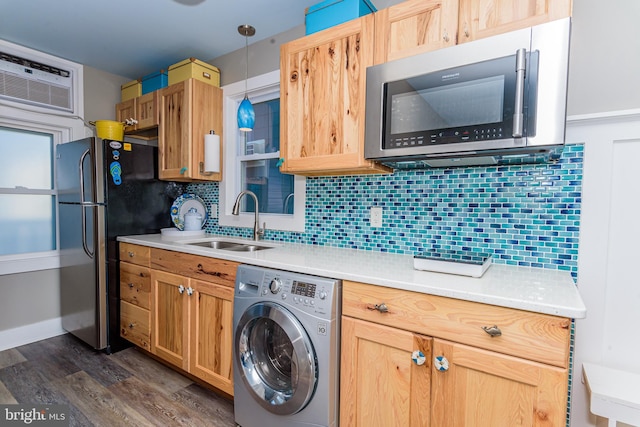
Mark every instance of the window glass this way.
pixel 27 223
pixel 252 162
pixel 259 154
pixel 25 159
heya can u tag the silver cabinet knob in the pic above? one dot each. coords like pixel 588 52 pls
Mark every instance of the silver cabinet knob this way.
pixel 181 289
pixel 493 331
pixel 382 307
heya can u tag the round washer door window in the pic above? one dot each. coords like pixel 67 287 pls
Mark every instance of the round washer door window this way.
pixel 276 358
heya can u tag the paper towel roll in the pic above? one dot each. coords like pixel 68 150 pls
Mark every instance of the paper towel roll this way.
pixel 212 153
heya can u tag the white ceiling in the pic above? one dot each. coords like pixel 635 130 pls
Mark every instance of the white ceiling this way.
pixel 133 38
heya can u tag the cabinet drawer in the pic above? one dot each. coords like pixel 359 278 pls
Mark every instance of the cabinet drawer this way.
pixel 213 270
pixel 135 325
pixel 135 284
pixel 134 254
pixel 540 337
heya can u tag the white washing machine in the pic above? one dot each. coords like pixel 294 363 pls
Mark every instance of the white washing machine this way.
pixel 286 348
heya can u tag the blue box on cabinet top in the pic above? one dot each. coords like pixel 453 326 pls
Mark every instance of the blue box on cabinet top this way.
pixel 154 81
pixel 328 13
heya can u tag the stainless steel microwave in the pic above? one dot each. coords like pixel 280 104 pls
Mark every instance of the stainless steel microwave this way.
pixel 496 100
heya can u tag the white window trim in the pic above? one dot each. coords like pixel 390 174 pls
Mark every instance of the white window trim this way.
pixel 230 185
pixel 63 126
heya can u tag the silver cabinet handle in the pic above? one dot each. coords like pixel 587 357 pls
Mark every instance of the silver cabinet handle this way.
pixel 131 254
pixel 130 285
pixel 382 307
pixel 189 291
pixel 493 331
pixel 181 289
pixel 131 325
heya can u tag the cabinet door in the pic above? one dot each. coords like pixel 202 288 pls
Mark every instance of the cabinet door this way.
pixel 174 143
pixel 380 385
pixel 126 110
pixel 487 389
pixel 188 110
pixel 211 344
pixel 170 317
pixel 484 18
pixel 147 113
pixel 322 96
pixel 415 26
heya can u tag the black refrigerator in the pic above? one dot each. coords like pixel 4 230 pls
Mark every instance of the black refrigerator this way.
pixel 105 189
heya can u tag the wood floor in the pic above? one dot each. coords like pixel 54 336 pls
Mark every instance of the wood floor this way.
pixel 126 388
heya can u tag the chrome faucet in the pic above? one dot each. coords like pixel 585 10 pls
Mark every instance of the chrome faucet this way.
pixel 257 231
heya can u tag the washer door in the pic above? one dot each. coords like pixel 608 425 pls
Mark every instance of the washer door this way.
pixel 276 358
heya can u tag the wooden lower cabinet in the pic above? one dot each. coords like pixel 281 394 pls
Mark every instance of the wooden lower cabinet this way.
pixel 170 317
pixel 479 380
pixel 211 334
pixel 179 307
pixel 380 384
pixel 135 287
pixel 488 389
pixel 192 327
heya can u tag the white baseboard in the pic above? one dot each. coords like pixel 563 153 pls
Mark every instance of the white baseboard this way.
pixel 27 334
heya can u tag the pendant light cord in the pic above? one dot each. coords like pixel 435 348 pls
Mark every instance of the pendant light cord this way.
pixel 246 49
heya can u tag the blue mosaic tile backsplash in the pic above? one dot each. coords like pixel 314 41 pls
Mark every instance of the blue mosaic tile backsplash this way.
pixel 525 215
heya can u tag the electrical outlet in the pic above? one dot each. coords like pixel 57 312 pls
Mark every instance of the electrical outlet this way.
pixel 213 211
pixel 375 216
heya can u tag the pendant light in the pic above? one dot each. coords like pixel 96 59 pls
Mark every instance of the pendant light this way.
pixel 246 113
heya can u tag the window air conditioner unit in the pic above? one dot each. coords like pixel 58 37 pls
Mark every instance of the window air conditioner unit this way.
pixel 35 83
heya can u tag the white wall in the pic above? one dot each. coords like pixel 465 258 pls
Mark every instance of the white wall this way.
pixel 605 56
pixel 609 234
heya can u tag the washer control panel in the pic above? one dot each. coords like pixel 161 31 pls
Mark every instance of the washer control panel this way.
pixel 312 294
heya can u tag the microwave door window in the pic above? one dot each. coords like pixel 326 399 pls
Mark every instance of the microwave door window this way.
pixel 455 105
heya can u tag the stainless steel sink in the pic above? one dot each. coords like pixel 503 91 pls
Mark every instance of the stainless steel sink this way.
pixel 230 245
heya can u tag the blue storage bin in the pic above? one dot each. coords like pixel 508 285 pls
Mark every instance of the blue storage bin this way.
pixel 328 13
pixel 154 81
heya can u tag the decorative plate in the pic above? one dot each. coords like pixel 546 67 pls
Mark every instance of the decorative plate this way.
pixel 182 205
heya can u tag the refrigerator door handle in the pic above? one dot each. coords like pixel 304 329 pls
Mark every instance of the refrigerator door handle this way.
pixel 85 246
pixel 81 169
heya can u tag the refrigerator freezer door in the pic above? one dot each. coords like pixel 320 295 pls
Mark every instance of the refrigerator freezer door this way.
pixel 83 281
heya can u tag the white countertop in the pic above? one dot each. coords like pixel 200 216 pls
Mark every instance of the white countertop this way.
pixel 526 288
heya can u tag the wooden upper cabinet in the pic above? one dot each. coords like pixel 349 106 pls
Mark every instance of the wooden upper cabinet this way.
pixel 485 18
pixel 322 96
pixel 188 111
pixel 144 109
pixel 414 27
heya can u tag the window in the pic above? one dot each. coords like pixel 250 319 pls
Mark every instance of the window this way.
pixel 28 137
pixel 28 220
pixel 251 161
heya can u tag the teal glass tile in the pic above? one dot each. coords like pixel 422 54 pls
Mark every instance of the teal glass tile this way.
pixel 513 211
